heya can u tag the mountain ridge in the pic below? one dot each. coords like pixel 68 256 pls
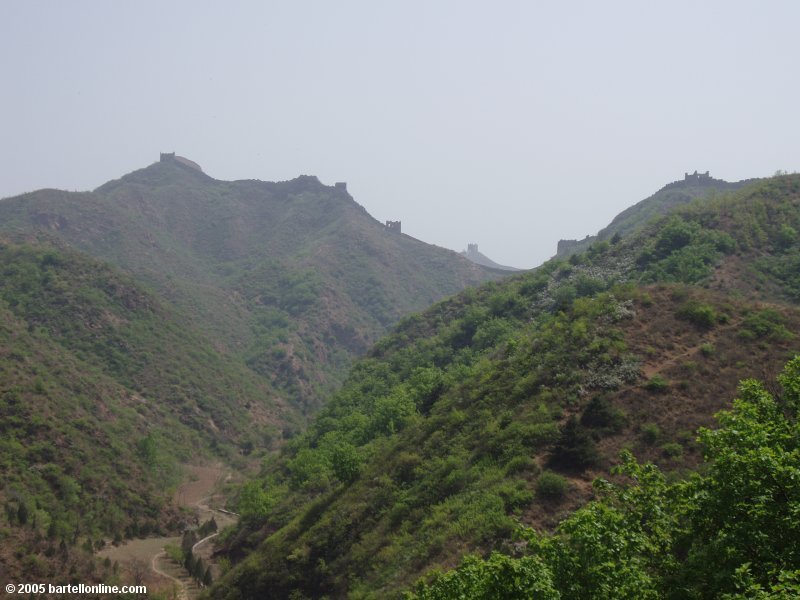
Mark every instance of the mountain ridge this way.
pixel 692 186
pixel 333 271
pixel 169 317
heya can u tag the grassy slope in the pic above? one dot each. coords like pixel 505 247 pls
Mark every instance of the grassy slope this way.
pixel 293 277
pixel 103 392
pixel 503 403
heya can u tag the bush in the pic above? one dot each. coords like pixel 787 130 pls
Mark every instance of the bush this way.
pixel 564 296
pixel 701 315
pixel 600 413
pixel 651 433
pixel 551 485
pixel 786 237
pixel 519 464
pixel 765 323
pixel 588 286
pixel 657 383
pixel 174 552
pixel 672 450
pixel 674 234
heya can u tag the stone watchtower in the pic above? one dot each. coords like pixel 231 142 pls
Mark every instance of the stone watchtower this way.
pixel 697 177
pixel 393 226
pixel 171 157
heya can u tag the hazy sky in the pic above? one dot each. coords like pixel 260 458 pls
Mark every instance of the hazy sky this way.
pixel 509 124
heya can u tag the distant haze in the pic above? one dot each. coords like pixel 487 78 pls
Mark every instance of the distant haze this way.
pixel 509 124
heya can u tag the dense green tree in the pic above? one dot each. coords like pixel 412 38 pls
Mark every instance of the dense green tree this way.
pixel 22 513
pixel 497 578
pixel 575 448
pixel 345 461
pixel 188 540
pixel 199 570
pixel 254 502
pixel 745 509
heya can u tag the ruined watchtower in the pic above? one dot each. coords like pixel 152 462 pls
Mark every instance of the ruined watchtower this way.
pixel 171 157
pixel 697 177
pixel 393 226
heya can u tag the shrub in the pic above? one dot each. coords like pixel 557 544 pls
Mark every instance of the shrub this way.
pixel 174 552
pixel 674 234
pixel 588 286
pixel 657 383
pixel 672 450
pixel 701 315
pixel 564 296
pixel 602 414
pixel 650 433
pixel 764 323
pixel 551 485
pixel 786 236
pixel 519 464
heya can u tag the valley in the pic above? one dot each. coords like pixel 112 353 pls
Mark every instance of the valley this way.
pixel 400 301
pixel 366 415
pixel 167 318
pixel 146 562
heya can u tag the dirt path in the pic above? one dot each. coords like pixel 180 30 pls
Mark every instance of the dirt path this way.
pixel 147 559
pixel 181 592
pixel 650 369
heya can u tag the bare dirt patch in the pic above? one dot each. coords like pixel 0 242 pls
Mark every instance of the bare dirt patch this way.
pixel 202 481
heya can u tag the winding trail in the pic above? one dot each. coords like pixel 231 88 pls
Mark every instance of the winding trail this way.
pixel 149 553
pixel 674 358
pixel 182 592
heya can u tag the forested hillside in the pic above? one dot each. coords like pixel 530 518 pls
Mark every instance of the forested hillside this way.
pixel 294 278
pixel 221 313
pixel 502 405
pixel 104 392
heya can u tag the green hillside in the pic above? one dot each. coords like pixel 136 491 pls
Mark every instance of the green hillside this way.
pixel 217 314
pixel 104 392
pixel 729 531
pixel 294 278
pixel 671 196
pixel 501 405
